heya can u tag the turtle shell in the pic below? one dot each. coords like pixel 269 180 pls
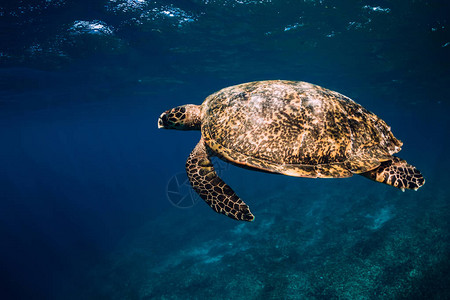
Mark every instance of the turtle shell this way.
pixel 296 129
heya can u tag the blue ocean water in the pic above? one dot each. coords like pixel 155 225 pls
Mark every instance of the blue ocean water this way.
pixel 93 198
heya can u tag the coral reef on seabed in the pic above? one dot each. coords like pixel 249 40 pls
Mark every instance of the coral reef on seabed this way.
pixel 364 243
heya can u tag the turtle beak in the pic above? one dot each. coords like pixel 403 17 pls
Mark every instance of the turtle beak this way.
pixel 162 120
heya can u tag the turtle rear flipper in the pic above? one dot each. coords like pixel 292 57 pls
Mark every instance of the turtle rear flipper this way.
pixel 398 173
pixel 211 188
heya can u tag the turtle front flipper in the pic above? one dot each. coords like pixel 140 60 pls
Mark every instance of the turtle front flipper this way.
pixel 398 173
pixel 211 188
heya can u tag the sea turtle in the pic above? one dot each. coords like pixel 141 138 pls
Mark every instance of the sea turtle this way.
pixel 286 127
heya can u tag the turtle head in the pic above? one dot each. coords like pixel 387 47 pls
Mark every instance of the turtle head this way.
pixel 185 117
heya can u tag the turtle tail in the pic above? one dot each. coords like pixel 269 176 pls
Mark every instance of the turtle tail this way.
pixel 398 173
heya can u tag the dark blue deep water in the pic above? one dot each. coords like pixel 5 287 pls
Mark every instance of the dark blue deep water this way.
pixel 93 198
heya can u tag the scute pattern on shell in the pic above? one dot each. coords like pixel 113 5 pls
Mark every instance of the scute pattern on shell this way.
pixel 295 128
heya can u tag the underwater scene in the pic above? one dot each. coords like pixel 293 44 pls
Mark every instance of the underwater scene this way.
pixel 95 201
